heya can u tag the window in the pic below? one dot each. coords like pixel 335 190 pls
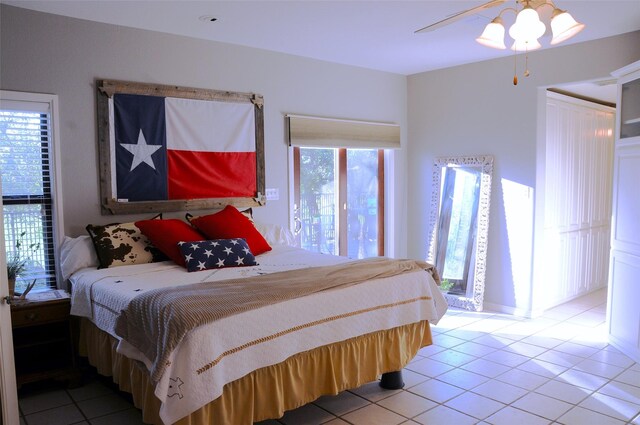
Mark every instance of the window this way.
pixel 28 190
pixel 339 198
pixel 338 179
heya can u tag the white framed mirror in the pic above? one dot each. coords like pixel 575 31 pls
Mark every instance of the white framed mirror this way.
pixel 458 227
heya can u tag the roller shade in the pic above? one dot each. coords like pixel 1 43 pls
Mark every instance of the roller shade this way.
pixel 334 133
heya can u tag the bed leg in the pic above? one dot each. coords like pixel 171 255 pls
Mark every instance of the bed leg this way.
pixel 392 380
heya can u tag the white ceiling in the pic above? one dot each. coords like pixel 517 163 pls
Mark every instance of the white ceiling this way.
pixel 371 34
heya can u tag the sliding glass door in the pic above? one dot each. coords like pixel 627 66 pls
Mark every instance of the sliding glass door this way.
pixel 339 198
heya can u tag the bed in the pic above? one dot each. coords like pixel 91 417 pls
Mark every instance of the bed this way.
pixel 255 362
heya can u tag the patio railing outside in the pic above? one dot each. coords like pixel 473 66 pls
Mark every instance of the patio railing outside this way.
pixel 319 231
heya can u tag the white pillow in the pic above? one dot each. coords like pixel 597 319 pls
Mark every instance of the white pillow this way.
pixel 276 234
pixel 75 254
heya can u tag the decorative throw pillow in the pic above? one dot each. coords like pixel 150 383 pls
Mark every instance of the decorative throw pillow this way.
pixel 217 253
pixel 75 254
pixel 165 235
pixel 121 244
pixel 276 234
pixel 231 223
pixel 247 213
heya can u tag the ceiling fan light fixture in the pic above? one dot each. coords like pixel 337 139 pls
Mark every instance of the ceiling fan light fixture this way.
pixel 525 45
pixel 527 29
pixel 563 26
pixel 493 34
pixel 527 25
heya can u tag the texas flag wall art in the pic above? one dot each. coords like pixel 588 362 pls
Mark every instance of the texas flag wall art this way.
pixel 168 148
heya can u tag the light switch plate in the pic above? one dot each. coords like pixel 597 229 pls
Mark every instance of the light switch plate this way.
pixel 273 194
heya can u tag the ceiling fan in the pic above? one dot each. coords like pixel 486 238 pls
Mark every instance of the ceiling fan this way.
pixel 526 30
pixel 460 15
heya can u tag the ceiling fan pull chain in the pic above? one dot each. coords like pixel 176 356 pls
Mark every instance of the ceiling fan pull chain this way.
pixel 526 62
pixel 515 69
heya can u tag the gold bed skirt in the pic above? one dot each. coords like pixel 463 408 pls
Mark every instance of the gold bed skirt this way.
pixel 268 392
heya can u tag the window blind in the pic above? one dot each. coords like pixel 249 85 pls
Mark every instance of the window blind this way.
pixel 25 164
pixel 308 131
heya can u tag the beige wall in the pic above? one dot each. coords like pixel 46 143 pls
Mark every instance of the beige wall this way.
pixel 53 54
pixel 475 109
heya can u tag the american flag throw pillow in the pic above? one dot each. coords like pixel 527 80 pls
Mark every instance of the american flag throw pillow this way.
pixel 217 253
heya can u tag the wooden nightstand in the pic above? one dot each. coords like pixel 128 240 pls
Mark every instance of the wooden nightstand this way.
pixel 43 340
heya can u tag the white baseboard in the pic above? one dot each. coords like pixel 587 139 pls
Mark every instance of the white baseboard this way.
pixel 533 313
pixel 559 301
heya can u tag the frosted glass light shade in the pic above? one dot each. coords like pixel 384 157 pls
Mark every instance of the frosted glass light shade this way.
pixel 528 25
pixel 493 35
pixel 563 26
pixel 525 45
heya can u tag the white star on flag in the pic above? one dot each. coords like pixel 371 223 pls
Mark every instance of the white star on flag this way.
pixel 208 253
pixel 228 250
pixel 202 265
pixel 141 152
pixel 220 262
pixel 240 260
pixel 195 246
pixel 188 258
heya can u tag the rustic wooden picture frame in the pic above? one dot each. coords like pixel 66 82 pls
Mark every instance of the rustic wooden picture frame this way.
pixel 105 89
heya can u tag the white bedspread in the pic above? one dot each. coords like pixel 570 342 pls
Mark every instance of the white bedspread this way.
pixel 319 319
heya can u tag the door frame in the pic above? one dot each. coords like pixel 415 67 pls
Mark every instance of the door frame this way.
pixel 8 389
pixel 533 305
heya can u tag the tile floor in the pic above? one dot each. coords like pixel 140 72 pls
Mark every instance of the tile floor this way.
pixel 484 368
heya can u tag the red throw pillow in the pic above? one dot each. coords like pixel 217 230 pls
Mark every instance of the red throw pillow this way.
pixel 165 235
pixel 231 223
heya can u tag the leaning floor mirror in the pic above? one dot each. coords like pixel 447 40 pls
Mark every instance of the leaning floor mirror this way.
pixel 459 223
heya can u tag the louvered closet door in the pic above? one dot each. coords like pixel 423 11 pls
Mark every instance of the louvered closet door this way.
pixel 579 161
pixel 623 311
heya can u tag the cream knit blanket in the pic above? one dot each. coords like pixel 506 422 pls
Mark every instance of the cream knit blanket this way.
pixel 155 322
